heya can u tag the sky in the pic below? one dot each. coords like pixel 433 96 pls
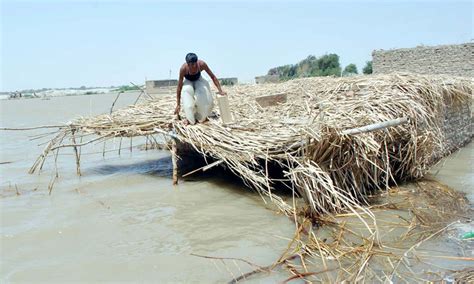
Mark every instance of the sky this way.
pixel 56 44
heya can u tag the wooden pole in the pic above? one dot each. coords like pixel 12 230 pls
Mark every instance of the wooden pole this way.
pixel 174 160
pixel 78 158
pixel 376 126
pixel 112 107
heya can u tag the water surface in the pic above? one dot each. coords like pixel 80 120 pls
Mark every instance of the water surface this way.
pixel 122 220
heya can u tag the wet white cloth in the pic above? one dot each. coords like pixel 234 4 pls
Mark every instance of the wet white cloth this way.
pixel 197 100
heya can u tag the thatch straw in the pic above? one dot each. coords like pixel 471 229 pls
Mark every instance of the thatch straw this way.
pixel 305 136
pixel 409 217
pixel 322 140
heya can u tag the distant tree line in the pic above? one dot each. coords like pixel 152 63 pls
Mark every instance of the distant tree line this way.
pixel 125 88
pixel 325 65
pixel 312 66
pixel 351 69
pixel 34 90
pixel 115 88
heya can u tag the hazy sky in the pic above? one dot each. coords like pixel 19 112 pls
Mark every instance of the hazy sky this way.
pixel 103 43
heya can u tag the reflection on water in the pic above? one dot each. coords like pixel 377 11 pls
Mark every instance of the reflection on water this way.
pixel 161 167
pixel 457 171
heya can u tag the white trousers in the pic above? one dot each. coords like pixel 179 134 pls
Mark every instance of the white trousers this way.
pixel 197 100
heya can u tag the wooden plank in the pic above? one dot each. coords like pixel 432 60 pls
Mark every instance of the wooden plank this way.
pixel 271 100
pixel 224 109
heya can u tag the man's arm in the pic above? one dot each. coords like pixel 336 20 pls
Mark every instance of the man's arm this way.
pixel 213 77
pixel 178 91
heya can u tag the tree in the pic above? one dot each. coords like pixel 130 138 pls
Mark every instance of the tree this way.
pixel 307 67
pixel 368 68
pixel 326 65
pixel 284 72
pixel 350 69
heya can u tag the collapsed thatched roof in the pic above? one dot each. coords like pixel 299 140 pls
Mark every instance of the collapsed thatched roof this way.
pixel 305 135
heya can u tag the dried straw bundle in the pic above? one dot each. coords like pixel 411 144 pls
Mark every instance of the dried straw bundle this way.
pixel 306 136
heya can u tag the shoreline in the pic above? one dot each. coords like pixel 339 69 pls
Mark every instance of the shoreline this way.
pixel 48 96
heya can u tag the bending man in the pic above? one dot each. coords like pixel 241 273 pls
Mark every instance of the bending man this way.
pixel 195 90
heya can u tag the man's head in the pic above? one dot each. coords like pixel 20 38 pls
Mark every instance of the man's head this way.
pixel 191 58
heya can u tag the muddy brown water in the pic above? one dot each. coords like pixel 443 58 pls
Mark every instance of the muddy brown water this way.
pixel 123 220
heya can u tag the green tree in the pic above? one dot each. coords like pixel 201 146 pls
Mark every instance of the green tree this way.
pixel 368 68
pixel 307 67
pixel 329 65
pixel 284 72
pixel 350 69
pixel 326 65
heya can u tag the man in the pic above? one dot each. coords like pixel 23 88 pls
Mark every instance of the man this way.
pixel 195 90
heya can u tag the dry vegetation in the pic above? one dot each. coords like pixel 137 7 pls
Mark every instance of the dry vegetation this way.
pixel 308 137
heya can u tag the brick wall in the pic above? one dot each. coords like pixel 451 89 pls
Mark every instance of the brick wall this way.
pixel 457 125
pixel 157 86
pixel 455 60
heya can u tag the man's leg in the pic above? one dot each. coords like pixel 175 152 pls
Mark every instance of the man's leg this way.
pixel 187 98
pixel 204 101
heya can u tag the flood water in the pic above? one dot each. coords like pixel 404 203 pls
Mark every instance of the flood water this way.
pixel 122 220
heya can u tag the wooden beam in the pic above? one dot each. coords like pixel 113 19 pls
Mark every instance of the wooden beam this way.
pixel 224 109
pixel 271 100
pixel 174 160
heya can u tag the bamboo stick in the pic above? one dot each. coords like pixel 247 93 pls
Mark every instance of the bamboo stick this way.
pixel 376 126
pixel 204 168
pixel 174 161
pixel 76 153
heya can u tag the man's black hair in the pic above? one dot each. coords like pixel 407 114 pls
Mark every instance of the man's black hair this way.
pixel 191 58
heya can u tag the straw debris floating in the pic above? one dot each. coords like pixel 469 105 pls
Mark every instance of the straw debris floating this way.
pixel 318 136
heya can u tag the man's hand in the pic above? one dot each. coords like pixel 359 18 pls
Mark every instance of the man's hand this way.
pixel 178 108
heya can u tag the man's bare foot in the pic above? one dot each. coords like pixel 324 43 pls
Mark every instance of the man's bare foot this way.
pixel 185 121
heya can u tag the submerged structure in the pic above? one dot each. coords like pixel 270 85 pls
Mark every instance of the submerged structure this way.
pixel 333 141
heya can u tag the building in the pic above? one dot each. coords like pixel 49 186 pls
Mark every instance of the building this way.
pixel 163 86
pixel 228 81
pixel 159 86
pixel 455 60
pixel 267 79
